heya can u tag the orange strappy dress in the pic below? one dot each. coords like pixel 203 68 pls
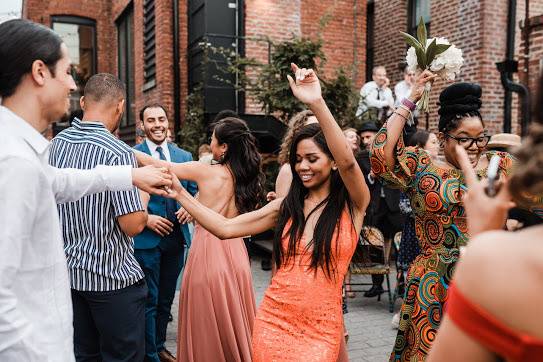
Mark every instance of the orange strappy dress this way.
pixel 300 318
pixel 490 332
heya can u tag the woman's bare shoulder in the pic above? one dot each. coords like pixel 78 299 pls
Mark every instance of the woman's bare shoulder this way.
pixel 499 272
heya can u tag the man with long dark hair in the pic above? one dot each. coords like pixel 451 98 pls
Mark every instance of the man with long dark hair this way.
pixel 35 305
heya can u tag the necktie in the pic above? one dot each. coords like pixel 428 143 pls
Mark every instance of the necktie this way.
pixel 171 205
pixel 161 153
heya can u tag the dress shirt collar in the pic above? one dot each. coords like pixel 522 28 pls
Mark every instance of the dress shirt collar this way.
pixel 22 128
pixel 88 125
pixel 153 146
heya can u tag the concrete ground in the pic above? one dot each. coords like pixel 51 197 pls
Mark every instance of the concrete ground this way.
pixel 371 336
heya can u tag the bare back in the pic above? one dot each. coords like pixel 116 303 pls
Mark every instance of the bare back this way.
pixel 217 190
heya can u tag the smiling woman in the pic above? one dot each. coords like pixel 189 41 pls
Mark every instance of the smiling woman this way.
pixel 435 189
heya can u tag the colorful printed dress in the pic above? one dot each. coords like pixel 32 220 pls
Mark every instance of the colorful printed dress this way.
pixel 441 228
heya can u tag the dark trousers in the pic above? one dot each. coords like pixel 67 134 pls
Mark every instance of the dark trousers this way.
pixel 110 326
pixel 389 223
pixel 161 265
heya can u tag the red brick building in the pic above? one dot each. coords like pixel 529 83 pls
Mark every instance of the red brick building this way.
pixel 154 45
pixel 478 27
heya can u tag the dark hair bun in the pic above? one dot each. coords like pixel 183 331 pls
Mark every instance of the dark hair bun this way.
pixel 460 98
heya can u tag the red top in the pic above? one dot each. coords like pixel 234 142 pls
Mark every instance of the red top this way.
pixel 490 332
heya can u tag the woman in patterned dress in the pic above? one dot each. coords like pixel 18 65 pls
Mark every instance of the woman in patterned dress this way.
pixel 435 189
pixel 318 223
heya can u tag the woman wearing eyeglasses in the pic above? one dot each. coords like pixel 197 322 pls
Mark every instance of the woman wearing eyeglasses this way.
pixel 435 189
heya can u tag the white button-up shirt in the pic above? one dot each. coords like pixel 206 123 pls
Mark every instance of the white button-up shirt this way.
pixel 35 304
pixel 153 146
pixel 371 96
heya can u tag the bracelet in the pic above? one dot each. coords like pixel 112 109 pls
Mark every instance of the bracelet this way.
pixel 404 107
pixel 401 115
pixel 409 104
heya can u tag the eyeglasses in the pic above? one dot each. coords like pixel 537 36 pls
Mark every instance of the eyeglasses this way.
pixel 467 142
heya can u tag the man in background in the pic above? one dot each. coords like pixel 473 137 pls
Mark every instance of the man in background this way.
pixel 160 247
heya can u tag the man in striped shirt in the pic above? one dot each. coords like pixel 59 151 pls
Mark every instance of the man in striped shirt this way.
pixel 107 284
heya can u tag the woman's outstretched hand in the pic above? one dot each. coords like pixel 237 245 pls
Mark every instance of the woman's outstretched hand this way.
pixel 306 86
pixel 484 213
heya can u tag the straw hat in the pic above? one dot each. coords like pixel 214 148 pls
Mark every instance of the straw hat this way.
pixel 504 140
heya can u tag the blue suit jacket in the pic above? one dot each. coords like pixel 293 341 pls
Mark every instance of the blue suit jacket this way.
pixel 148 239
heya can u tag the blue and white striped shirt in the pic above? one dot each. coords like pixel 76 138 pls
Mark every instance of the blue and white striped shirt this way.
pixel 100 255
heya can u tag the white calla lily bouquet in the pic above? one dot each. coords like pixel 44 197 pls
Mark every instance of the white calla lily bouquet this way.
pixel 435 54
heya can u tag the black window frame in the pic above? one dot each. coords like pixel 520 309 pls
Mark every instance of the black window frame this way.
pixel 412 18
pixel 370 36
pixel 126 19
pixel 66 120
pixel 149 45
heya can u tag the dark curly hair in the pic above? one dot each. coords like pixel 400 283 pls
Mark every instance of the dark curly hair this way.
pixel 458 101
pixel 243 160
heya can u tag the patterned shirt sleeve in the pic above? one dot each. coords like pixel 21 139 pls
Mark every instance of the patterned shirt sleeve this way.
pixel 126 202
pixel 409 162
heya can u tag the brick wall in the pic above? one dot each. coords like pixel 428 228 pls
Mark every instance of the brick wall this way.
pixel 98 10
pixel 389 47
pixel 343 34
pixel 278 20
pixel 478 27
pixel 105 13
pixel 535 68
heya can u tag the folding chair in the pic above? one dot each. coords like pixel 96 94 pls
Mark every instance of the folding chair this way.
pixel 371 240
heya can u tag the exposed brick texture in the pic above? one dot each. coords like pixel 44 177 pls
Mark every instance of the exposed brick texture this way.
pixel 343 34
pixel 478 27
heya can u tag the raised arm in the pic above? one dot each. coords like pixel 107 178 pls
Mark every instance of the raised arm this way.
pixel 251 223
pixel 396 122
pixel 307 89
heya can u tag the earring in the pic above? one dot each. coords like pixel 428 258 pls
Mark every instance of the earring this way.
pixel 221 158
pixel 334 168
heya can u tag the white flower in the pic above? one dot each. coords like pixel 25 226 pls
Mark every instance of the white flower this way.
pixel 411 59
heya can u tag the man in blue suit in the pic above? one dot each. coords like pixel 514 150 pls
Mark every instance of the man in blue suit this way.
pixel 159 249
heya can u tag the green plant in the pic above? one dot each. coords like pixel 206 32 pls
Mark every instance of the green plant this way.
pixel 193 130
pixel 267 82
pixel 341 98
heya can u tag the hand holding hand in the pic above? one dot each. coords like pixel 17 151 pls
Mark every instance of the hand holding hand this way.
pixel 484 213
pixel 183 216
pixel 306 87
pixel 159 225
pixel 271 196
pixel 421 79
pixel 152 179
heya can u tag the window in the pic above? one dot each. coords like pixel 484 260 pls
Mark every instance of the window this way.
pixel 125 46
pixel 418 8
pixel 79 35
pixel 149 45
pixel 370 25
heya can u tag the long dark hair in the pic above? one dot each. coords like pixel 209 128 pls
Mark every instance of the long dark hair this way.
pixel 292 209
pixel 243 160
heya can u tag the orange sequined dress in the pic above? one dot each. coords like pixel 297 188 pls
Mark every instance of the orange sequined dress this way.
pixel 300 318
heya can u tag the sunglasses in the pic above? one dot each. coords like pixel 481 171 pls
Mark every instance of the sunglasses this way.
pixel 467 142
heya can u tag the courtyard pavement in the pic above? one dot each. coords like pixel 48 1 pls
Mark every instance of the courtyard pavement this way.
pixel 371 335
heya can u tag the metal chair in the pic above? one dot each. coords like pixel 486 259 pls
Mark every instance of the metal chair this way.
pixel 372 240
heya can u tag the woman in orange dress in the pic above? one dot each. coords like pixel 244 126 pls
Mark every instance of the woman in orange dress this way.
pixel 318 223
